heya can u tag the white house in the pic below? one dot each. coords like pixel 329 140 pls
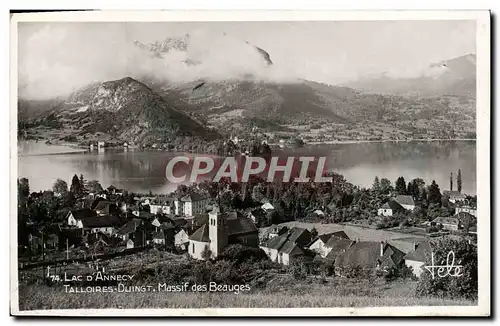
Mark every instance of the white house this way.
pixel 389 208
pixel 406 202
pixel 159 237
pixel 191 205
pixel 448 223
pixel 454 196
pixel 322 244
pixel 75 217
pixel 466 209
pixel 318 244
pixel 103 224
pixel 162 206
pixel 285 248
pixel 282 250
pixel 181 239
pixel 418 257
pixel 267 206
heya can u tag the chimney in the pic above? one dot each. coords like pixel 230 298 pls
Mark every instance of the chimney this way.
pixel 414 246
pixel 381 248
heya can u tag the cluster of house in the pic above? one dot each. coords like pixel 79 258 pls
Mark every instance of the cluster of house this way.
pixel 168 221
pixel 284 245
pixel 403 203
pixel 341 252
pixel 193 224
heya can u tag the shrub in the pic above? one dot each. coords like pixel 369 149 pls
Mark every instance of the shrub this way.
pixel 238 254
pixel 403 272
pixel 464 286
pixel 206 253
pixel 298 269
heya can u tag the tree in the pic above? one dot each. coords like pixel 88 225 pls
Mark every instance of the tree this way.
pixel 459 180
pixel 401 186
pixel 451 181
pixel 385 186
pixel 464 286
pixel 94 186
pixel 376 184
pixel 416 189
pixel 76 188
pixel 23 190
pixel 60 187
pixel 434 194
pixel 206 253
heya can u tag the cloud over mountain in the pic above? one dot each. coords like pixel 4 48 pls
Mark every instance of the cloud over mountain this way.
pixel 56 61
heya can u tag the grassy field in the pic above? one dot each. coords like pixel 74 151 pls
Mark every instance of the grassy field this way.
pixel 282 292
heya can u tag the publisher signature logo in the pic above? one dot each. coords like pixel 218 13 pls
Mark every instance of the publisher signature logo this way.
pixel 450 269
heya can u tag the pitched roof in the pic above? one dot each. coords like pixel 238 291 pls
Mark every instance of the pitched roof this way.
pixel 129 227
pixel 406 244
pixel 405 200
pixel 338 246
pixel 296 233
pixel 462 215
pixel 232 215
pixel 446 220
pixel 454 193
pixel 392 204
pixel 193 197
pixel 179 222
pixel 367 254
pixel 422 253
pixel 162 201
pixel 267 206
pixel 101 221
pixel 159 235
pixel 325 237
pixel 201 234
pixel 84 213
pixel 392 256
pixel 240 225
pixel 340 235
pixel 290 247
pixel 276 242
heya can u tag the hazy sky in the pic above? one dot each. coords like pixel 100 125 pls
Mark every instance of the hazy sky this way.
pixel 55 58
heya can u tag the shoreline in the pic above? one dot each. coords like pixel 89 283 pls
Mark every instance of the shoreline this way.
pixel 335 142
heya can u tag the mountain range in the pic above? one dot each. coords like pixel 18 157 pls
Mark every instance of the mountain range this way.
pixel 454 77
pixel 146 108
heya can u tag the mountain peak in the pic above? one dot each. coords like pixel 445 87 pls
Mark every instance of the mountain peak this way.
pixel 456 76
pixel 182 44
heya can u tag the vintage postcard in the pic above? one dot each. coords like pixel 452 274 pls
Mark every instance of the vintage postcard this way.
pixel 250 163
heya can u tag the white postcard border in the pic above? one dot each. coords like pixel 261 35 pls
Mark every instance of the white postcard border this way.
pixel 483 109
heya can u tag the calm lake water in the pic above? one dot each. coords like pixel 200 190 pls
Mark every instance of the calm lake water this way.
pixel 141 171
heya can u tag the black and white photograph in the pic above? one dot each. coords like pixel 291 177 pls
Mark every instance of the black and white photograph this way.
pixel 246 163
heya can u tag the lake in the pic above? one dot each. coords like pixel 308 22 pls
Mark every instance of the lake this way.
pixel 141 171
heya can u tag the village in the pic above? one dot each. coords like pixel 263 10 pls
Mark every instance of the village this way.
pixel 193 223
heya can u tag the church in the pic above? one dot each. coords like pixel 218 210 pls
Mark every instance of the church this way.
pixel 222 229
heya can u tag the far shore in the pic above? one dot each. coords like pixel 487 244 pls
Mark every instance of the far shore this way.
pixel 73 148
pixel 332 142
